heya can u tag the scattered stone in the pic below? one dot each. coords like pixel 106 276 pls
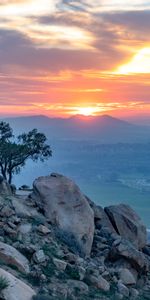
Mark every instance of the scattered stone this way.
pixel 25 228
pixel 10 256
pixel 134 294
pixel 99 282
pixel 60 264
pixel 43 229
pixel 122 289
pixel 74 285
pixel 7 211
pixel 39 257
pixel 82 272
pixel 126 277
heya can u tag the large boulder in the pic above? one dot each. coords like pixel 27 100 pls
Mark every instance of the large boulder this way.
pixel 127 224
pixel 124 249
pixel 10 256
pixel 101 219
pixel 17 289
pixel 66 207
pixel 5 188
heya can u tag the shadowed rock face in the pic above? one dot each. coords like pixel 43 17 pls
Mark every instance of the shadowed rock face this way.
pixel 127 224
pixel 66 207
pixel 5 188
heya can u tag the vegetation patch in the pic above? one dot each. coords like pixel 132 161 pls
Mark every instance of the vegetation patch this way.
pixel 4 283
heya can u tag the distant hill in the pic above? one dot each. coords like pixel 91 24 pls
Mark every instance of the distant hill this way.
pixel 102 128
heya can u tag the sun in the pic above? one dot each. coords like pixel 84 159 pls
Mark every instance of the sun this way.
pixel 140 63
pixel 87 111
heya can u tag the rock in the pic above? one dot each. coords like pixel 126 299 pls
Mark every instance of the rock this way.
pixel 7 211
pixel 25 228
pixel 17 289
pixel 43 229
pixel 21 208
pixel 146 250
pixel 103 284
pixel 134 293
pixel 127 224
pixel 100 217
pixel 126 277
pixel 60 264
pixel 13 234
pixel 71 258
pixel 81 272
pixel 9 255
pixel 136 258
pixel 99 282
pixel 39 256
pixel 5 188
pixel 122 289
pixel 74 285
pixel 70 289
pixel 13 189
pixel 66 207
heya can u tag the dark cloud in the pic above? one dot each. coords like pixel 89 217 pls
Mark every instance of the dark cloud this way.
pixel 137 22
pixel 16 49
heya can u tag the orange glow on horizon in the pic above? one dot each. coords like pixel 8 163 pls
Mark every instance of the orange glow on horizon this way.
pixel 65 58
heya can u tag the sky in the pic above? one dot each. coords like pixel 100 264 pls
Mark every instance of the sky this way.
pixel 65 57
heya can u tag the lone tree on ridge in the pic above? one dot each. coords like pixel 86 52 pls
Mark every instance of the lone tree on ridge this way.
pixel 14 152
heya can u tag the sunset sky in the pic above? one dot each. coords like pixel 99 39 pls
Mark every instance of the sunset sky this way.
pixel 66 57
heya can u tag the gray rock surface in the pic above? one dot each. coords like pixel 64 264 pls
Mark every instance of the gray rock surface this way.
pixel 67 208
pixel 17 289
pixel 9 255
pixel 127 277
pixel 5 188
pixel 128 224
pixel 126 250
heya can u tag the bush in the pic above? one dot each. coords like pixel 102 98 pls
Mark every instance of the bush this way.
pixel 4 283
pixel 69 239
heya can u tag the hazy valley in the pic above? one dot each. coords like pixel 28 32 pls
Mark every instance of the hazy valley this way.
pixel 107 157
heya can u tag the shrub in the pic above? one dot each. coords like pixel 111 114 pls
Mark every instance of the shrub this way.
pixel 4 283
pixel 69 239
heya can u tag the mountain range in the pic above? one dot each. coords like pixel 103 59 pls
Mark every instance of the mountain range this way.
pixel 102 128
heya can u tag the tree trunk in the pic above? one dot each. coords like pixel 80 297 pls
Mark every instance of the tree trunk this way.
pixel 10 177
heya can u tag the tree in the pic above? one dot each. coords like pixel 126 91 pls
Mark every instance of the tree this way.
pixel 14 152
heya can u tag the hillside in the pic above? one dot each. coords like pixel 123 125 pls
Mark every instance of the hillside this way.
pixel 55 243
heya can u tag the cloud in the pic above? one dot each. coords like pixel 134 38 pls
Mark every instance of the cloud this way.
pixel 97 6
pixel 55 52
pixel 27 8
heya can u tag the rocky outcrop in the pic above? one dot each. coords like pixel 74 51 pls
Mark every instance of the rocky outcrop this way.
pixel 17 289
pixel 34 247
pixel 127 224
pixel 101 219
pixel 66 207
pixel 10 256
pixel 125 249
pixel 5 188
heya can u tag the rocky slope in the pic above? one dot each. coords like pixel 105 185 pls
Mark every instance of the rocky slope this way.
pixel 57 244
